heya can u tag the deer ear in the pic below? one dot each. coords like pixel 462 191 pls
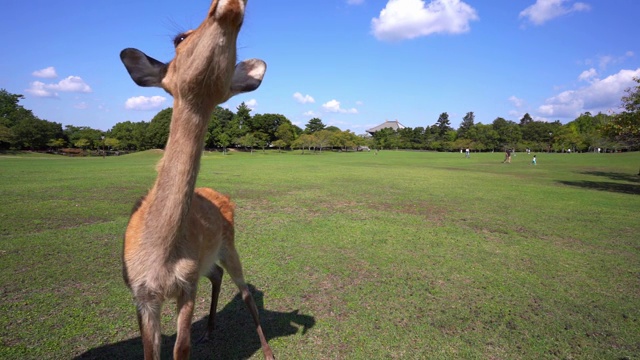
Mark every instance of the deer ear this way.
pixel 144 70
pixel 248 76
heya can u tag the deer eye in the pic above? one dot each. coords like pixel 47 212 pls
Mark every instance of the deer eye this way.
pixel 179 38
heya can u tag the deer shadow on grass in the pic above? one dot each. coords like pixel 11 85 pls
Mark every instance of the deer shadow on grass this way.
pixel 624 183
pixel 234 336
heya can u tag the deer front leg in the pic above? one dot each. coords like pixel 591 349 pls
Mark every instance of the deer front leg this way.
pixel 182 347
pixel 215 276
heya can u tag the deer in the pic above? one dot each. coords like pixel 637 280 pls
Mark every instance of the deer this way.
pixel 178 233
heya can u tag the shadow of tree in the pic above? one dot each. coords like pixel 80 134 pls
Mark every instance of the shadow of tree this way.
pixel 605 186
pixel 233 338
pixel 614 176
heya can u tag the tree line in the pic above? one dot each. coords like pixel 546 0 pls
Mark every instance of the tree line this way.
pixel 582 134
pixel 21 129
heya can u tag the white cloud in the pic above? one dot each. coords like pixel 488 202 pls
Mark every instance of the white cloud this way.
pixel 603 61
pixel 303 99
pixel 408 19
pixel 516 101
pixel 606 60
pixel 82 105
pixel 251 103
pixel 600 95
pixel 311 113
pixel 47 73
pixel 545 10
pixel 39 89
pixel 143 103
pixel 70 84
pixel 334 106
pixel 588 75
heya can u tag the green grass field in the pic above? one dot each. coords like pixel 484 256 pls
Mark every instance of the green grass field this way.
pixel 403 255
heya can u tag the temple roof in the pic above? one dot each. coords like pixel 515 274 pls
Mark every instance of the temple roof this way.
pixel 395 125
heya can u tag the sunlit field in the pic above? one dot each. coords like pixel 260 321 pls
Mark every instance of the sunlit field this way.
pixel 398 254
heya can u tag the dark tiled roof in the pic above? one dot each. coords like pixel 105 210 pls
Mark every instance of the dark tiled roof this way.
pixel 395 125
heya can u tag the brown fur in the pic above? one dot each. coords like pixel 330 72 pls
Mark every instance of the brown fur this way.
pixel 178 233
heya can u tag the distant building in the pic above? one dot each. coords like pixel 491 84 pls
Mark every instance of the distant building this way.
pixel 395 125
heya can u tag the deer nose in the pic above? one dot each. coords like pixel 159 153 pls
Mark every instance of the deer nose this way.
pixel 232 10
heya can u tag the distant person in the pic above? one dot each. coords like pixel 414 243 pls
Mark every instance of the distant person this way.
pixel 507 156
pixel 533 161
pixel 467 155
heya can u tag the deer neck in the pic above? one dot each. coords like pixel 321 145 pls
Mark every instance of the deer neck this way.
pixel 170 198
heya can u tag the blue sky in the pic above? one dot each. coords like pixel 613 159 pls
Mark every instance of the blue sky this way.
pixel 351 63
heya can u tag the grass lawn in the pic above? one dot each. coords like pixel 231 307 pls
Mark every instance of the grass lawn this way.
pixel 405 255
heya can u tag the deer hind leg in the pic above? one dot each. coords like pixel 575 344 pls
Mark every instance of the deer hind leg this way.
pixel 149 322
pixel 215 276
pixel 182 347
pixel 231 262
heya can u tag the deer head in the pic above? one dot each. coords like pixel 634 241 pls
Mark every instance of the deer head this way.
pixel 203 72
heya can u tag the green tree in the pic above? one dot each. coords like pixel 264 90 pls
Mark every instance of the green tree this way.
pixel 219 132
pixel 631 101
pixel 224 140
pixel 285 133
pixel 74 133
pixel 33 133
pixel 304 141
pixel 261 139
pixel 314 125
pixel 323 138
pixel 443 125
pixel 6 137
pixel 20 128
pixel 56 143
pixel 268 124
pixel 82 143
pixel 411 138
pixel 484 137
pixel 625 126
pixel 248 140
pixel 242 122
pixel 279 144
pixel 131 136
pixel 509 133
pixel 112 143
pixel 526 119
pixel 344 140
pixel 385 138
pixel 588 128
pixel 466 125
pixel 158 129
pixel 297 130
pixel 10 111
pixel 536 134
